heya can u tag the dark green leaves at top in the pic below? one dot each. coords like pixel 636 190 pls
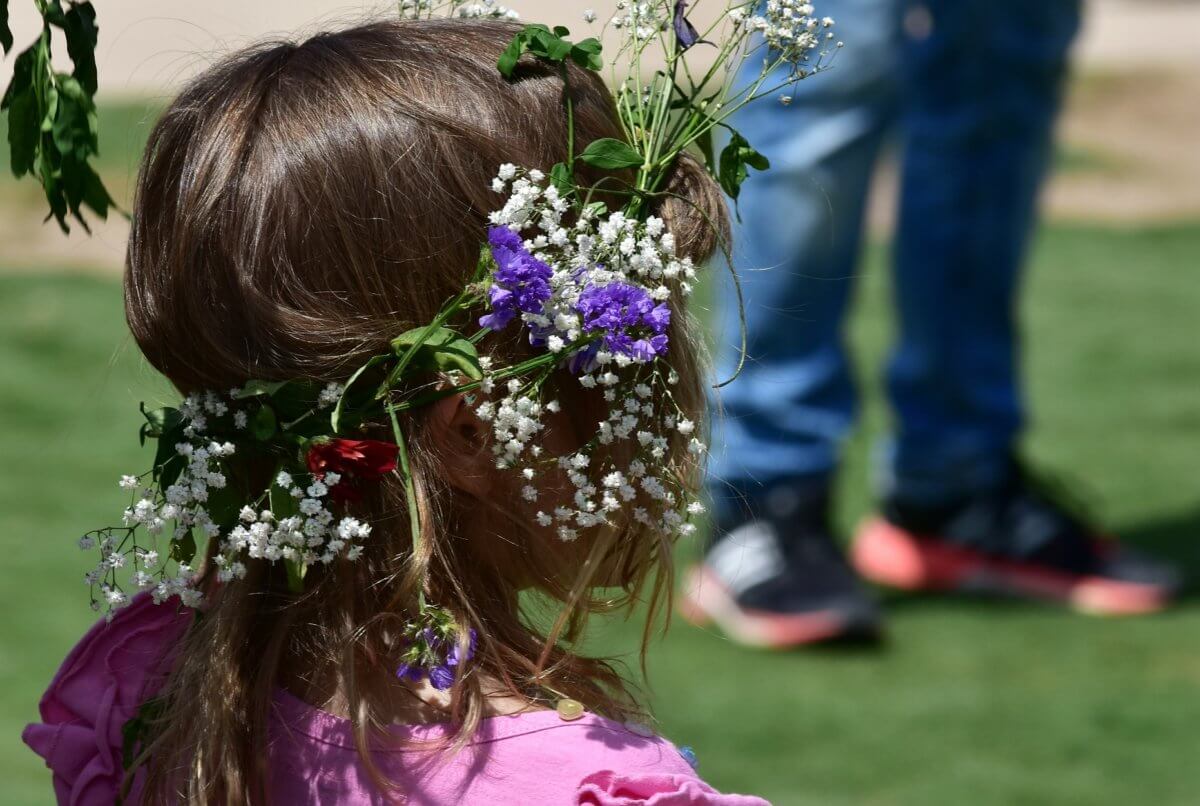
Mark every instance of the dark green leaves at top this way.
pixel 551 45
pixel 735 158
pixel 610 154
pixel 79 26
pixel 6 38
pixel 52 128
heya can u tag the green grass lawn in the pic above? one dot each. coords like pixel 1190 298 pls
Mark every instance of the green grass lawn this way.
pixel 968 703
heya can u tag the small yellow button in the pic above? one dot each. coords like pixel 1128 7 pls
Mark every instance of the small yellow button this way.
pixel 569 710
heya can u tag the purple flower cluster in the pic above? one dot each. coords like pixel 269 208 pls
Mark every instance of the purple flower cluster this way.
pixel 436 658
pixel 521 283
pixel 632 323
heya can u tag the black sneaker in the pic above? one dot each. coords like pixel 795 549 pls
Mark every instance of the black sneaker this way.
pixel 1018 540
pixel 774 576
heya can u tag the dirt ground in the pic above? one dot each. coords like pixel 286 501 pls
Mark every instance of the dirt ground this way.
pixel 1129 137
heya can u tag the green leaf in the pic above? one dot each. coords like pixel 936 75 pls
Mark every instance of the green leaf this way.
pixel 441 350
pixel 549 46
pixel 6 37
pixel 285 506
pixel 256 388
pixel 183 549
pixel 586 54
pixel 224 505
pixel 735 158
pixel 561 178
pixel 73 120
pixel 264 424
pixel 24 111
pixel 157 421
pixel 83 186
pixel 295 574
pixel 610 153
pixel 507 62
pixel 79 26
pixel 338 419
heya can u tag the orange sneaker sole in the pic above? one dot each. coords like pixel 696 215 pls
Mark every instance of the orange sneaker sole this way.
pixel 887 555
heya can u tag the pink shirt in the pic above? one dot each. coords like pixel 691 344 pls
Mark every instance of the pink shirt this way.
pixel 531 758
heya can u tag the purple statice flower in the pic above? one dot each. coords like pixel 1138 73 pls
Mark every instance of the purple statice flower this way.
pixel 441 677
pixel 410 671
pixel 685 33
pixel 631 322
pixel 520 284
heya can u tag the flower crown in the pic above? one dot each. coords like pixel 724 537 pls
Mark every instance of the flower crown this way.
pixel 591 288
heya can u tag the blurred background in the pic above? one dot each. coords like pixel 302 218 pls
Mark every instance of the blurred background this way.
pixel 979 702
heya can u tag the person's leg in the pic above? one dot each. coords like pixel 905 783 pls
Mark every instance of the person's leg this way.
pixel 962 513
pixel 773 574
pixel 796 248
pixel 983 89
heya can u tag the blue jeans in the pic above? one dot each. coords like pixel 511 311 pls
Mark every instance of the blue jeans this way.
pixel 972 88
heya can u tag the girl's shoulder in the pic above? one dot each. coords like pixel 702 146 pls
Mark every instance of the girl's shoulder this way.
pixel 533 757
pixel 100 686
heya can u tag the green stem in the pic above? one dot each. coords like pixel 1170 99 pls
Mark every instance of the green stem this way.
pixel 570 107
pixel 410 490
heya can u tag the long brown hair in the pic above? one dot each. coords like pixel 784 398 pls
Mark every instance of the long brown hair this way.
pixel 298 205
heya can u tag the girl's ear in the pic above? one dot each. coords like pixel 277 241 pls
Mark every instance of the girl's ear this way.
pixel 462 441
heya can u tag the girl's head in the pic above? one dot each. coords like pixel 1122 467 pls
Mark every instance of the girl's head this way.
pixel 298 206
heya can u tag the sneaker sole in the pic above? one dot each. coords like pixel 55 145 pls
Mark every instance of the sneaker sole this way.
pixel 893 557
pixel 705 601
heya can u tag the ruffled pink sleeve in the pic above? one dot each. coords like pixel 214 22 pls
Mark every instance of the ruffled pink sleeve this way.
pixel 607 788
pixel 98 688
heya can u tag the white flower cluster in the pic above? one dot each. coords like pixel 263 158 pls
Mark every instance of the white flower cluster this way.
pixel 641 20
pixel 185 509
pixel 487 9
pixel 646 483
pixel 643 419
pixel 788 27
pixel 311 536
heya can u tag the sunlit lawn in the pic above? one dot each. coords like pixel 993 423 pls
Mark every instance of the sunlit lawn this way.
pixel 969 703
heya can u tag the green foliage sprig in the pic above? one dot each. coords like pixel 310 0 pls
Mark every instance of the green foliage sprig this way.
pixel 52 127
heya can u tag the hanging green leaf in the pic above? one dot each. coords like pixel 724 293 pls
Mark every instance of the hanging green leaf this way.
pixel 6 37
pixel 79 26
pixel 610 154
pixel 735 158
pixel 25 114
pixel 52 125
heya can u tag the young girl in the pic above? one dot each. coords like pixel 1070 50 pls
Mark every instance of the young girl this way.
pixel 299 206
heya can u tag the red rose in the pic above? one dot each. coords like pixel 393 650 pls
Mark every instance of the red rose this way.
pixel 355 460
